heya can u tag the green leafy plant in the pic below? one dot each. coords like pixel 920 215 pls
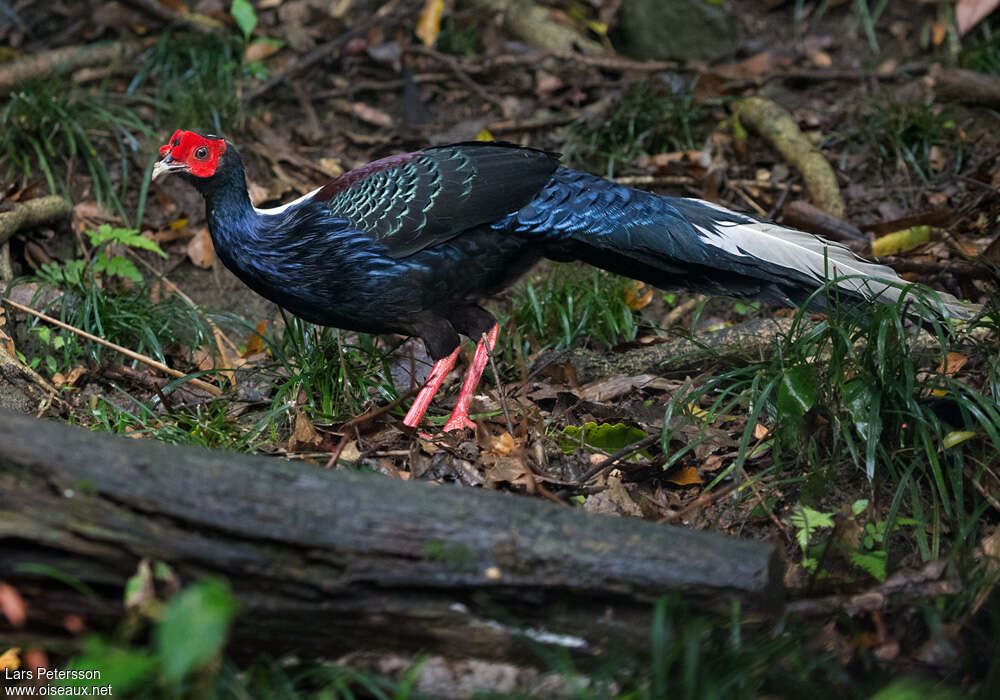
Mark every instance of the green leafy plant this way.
pixel 124 315
pixel 191 634
pixel 118 265
pixel 646 120
pixel 571 304
pixel 907 133
pixel 246 17
pixel 860 389
pixel 339 375
pixel 607 437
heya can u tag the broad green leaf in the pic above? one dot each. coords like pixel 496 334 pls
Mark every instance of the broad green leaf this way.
pixel 863 406
pixel 797 388
pixel 605 436
pixel 123 669
pixel 245 16
pixel 795 396
pixel 957 437
pixel 145 244
pixel 194 628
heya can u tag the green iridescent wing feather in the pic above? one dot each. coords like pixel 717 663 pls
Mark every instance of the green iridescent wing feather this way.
pixel 435 194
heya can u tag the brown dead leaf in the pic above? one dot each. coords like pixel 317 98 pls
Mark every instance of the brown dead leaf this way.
pixel 351 453
pixel 939 30
pixel 614 500
pixel 12 605
pixel 511 469
pixel 760 431
pixel 60 380
pixel 546 83
pixel 685 476
pixel 365 113
pixel 304 433
pixel 503 444
pixel 330 166
pixel 255 343
pixel 712 463
pixel 756 66
pixel 258 193
pixel 991 558
pixel 200 249
pixel 820 59
pixel 638 295
pixel 10 660
pixel 203 358
pixel 968 13
pixel 952 363
pixel 6 342
pixel 141 590
pixel 35 658
pixel 615 387
pixel 74 624
pixel 259 50
pixel 429 24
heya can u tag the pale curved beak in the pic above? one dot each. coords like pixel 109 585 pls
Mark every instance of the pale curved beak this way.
pixel 166 166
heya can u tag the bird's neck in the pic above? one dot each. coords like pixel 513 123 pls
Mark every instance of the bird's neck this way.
pixel 232 220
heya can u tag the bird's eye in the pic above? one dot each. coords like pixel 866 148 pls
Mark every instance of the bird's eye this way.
pixel 201 153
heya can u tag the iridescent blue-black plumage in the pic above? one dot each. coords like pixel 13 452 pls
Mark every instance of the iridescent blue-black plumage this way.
pixel 409 244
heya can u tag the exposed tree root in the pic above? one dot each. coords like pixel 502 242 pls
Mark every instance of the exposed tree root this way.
pixel 61 61
pixel 775 124
pixel 34 212
pixel 533 25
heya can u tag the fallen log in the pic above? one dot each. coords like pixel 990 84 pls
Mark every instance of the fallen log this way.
pixel 327 562
pixel 752 341
pixel 34 212
pixel 965 86
pixel 63 60
pixel 777 125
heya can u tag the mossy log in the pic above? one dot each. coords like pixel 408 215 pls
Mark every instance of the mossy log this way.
pixel 34 212
pixel 326 562
pixel 777 125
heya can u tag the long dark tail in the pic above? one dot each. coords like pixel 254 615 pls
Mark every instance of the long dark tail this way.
pixel 690 244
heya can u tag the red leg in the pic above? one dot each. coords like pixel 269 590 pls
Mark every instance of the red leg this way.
pixel 460 415
pixel 433 383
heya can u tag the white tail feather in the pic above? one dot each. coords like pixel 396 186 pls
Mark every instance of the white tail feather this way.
pixel 814 256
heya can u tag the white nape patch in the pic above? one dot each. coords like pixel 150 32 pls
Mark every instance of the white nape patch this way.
pixel 798 250
pixel 283 207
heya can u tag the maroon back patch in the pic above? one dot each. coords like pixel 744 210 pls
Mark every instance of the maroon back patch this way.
pixel 337 186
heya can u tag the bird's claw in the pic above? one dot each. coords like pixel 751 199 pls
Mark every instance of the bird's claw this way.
pixel 458 422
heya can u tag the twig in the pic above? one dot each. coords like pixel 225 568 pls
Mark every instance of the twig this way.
pixel 459 72
pixel 702 500
pixel 762 502
pixel 364 418
pixel 62 60
pixel 620 454
pixel 312 58
pixel 496 376
pixel 33 213
pixel 220 337
pixel 662 180
pixel 682 310
pixel 192 20
pixel 148 361
pixel 927 267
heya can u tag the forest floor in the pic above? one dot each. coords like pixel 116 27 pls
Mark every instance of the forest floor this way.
pixel 866 449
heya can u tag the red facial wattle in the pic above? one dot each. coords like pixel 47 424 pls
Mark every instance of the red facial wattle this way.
pixel 198 153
